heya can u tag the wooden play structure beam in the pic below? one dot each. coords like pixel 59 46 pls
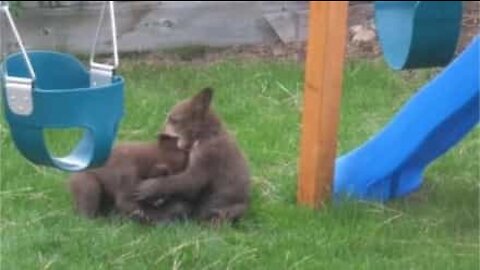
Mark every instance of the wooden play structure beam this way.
pixel 327 36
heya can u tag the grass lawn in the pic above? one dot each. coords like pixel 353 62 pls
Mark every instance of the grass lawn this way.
pixel 437 228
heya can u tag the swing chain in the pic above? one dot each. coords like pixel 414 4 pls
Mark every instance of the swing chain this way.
pixel 5 8
pixel 18 89
pixel 103 73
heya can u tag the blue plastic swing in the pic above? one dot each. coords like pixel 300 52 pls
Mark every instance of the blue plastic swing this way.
pixel 418 34
pixel 44 89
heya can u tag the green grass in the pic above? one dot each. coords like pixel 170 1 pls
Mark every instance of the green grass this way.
pixel 437 228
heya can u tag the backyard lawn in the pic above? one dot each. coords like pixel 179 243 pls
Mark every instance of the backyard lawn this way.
pixel 435 228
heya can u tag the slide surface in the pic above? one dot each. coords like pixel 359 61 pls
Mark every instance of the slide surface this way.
pixel 391 163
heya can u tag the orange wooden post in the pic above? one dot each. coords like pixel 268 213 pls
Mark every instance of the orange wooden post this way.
pixel 327 36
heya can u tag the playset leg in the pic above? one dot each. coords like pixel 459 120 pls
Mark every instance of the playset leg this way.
pixel 322 93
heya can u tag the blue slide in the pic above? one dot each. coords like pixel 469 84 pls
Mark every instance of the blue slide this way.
pixel 390 165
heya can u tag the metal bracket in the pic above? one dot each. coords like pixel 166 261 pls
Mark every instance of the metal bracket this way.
pixel 19 95
pixel 101 74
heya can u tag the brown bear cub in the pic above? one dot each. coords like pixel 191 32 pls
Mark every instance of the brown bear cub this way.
pixel 217 179
pixel 97 191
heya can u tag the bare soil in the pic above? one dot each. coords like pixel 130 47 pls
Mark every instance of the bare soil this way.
pixel 360 13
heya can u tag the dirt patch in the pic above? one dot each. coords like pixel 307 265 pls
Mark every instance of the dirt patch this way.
pixel 470 23
pixel 360 42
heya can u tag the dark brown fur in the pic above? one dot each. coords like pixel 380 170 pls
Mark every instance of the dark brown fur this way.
pixel 98 190
pixel 217 178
